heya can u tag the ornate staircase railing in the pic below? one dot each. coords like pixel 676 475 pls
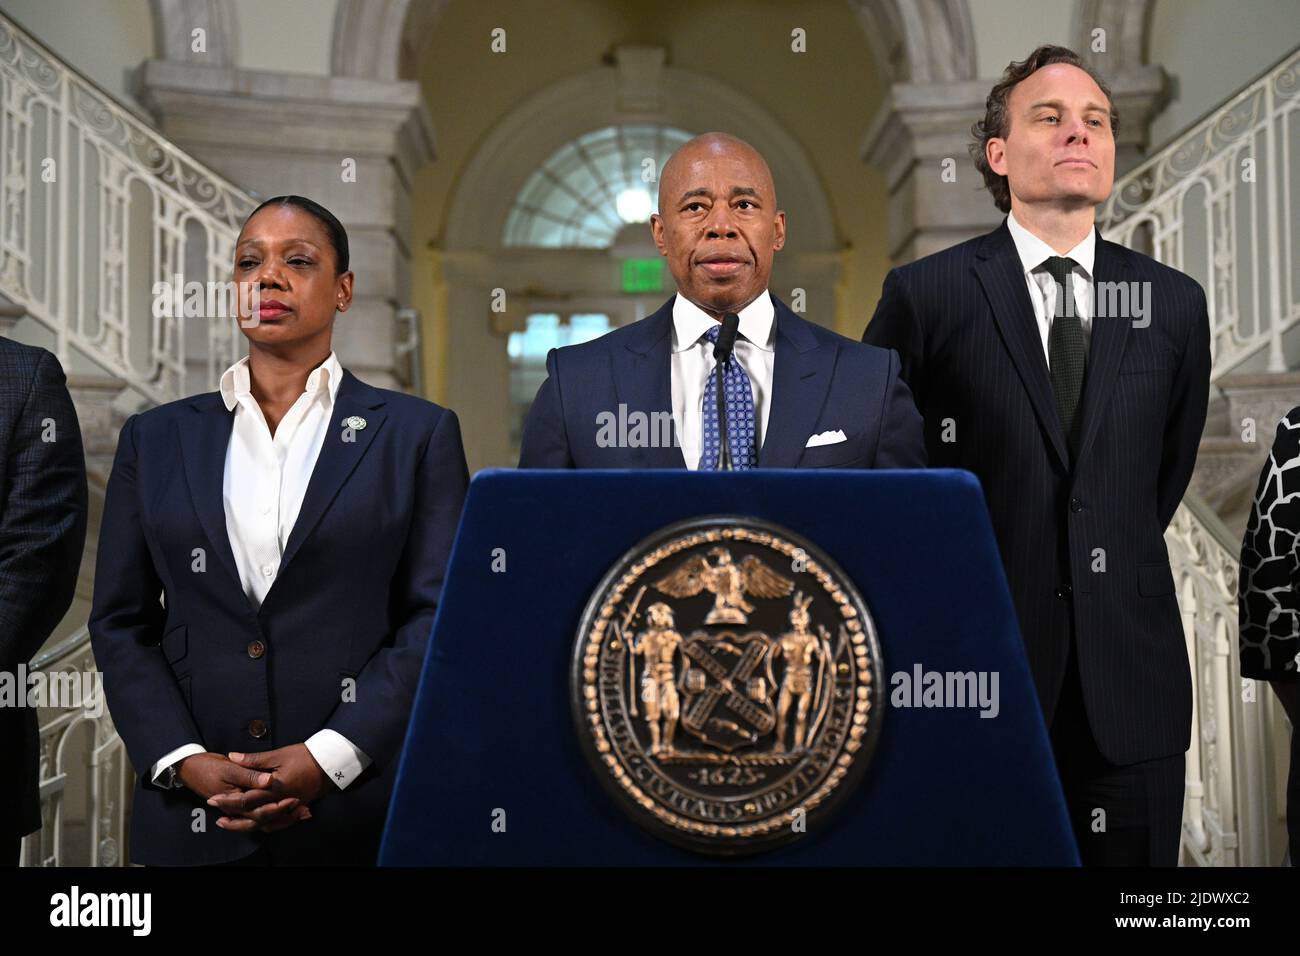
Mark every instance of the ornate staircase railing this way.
pixel 95 209
pixel 1219 203
pixel 86 778
pixel 1231 815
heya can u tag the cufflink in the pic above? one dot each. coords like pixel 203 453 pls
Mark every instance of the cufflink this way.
pixel 355 422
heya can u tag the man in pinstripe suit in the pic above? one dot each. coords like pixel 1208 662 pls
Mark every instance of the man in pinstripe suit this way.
pixel 42 532
pixel 1071 375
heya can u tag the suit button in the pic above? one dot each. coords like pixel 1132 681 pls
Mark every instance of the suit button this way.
pixel 257 728
pixel 1076 505
pixel 1064 591
pixel 256 649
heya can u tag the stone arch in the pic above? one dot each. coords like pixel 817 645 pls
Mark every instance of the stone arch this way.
pixel 383 39
pixel 530 133
pixel 916 45
pixel 912 41
pixel 473 261
pixel 919 41
pixel 1127 24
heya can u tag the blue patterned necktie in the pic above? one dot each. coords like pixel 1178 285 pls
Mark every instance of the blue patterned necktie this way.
pixel 740 415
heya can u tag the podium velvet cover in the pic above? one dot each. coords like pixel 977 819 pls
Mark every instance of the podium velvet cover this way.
pixel 492 737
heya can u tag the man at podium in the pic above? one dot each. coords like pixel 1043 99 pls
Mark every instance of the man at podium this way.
pixel 723 375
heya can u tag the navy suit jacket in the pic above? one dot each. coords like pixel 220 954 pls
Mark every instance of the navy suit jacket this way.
pixel 1081 535
pixel 355 596
pixel 821 382
pixel 42 533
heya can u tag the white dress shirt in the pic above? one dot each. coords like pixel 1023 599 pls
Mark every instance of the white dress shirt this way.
pixel 265 479
pixel 693 363
pixel 1042 289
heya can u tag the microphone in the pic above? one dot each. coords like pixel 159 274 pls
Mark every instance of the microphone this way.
pixel 721 353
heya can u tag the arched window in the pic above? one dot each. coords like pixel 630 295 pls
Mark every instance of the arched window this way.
pixel 591 188
pixel 582 197
pixel 528 350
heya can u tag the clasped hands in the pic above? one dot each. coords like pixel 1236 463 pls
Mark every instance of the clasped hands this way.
pixel 262 791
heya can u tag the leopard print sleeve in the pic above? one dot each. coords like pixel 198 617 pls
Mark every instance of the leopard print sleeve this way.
pixel 1268 601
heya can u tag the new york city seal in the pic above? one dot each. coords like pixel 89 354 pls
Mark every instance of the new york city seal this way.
pixel 726 684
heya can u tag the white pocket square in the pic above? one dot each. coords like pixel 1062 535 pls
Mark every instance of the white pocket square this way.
pixel 826 438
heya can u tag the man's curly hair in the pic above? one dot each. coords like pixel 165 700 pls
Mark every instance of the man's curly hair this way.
pixel 997 121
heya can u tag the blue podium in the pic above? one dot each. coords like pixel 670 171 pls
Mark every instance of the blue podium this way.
pixel 493 773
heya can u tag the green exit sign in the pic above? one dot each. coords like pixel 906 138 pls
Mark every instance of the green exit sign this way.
pixel 643 275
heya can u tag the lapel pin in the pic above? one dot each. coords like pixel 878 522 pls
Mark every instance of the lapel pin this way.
pixel 355 422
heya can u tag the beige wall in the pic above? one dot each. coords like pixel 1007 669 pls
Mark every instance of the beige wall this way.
pixel 1007 30
pixel 1213 49
pixel 108 39
pixel 104 39
pixel 290 36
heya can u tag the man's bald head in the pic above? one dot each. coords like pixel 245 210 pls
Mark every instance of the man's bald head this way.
pixel 718 224
pixel 707 148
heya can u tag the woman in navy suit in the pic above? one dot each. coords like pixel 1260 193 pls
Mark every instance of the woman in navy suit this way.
pixel 270 560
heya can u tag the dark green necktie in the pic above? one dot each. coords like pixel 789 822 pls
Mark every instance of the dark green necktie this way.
pixel 1067 352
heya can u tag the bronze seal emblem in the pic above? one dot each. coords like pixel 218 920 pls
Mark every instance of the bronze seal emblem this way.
pixel 726 684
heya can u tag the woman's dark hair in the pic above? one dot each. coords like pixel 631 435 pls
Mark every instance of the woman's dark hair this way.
pixel 997 121
pixel 334 231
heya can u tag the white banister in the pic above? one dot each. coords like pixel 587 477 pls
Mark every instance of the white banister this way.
pixel 1217 203
pixel 95 208
pixel 1231 811
pixel 86 778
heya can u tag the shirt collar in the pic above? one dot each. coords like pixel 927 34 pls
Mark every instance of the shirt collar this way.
pixel 1033 251
pixel 756 322
pixel 235 380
